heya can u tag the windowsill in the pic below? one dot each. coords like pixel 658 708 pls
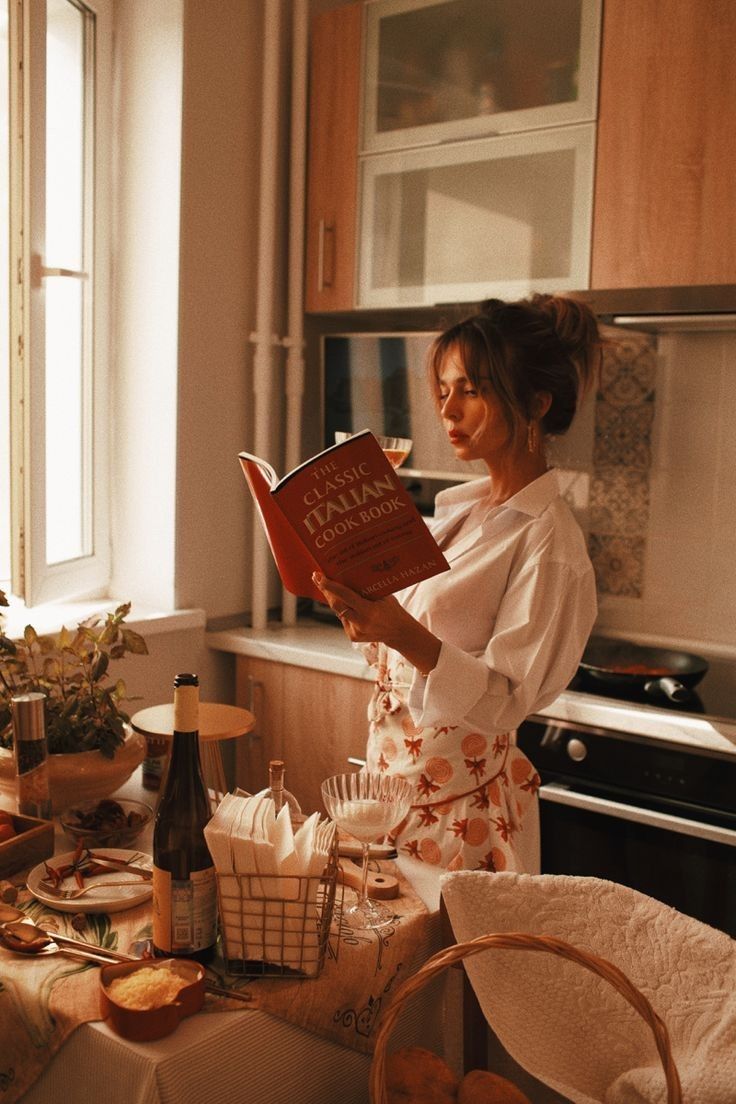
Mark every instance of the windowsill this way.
pixel 50 618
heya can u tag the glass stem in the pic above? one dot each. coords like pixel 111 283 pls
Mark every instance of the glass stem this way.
pixel 364 873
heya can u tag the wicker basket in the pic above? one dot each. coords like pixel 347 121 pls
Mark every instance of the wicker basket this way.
pixel 521 941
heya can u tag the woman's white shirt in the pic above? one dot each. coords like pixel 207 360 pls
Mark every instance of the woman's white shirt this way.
pixel 513 613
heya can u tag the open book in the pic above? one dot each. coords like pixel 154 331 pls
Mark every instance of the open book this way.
pixel 347 514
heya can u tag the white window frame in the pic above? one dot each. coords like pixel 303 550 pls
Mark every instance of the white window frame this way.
pixel 33 578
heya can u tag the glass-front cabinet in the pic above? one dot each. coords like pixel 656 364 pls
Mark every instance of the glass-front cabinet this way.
pixel 440 70
pixel 469 167
pixel 459 222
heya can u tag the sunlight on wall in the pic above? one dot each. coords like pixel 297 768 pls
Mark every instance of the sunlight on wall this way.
pixel 148 85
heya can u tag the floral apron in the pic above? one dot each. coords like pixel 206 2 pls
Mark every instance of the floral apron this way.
pixel 475 804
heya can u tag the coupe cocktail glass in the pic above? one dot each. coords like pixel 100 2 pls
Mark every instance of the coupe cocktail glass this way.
pixel 367 806
pixel 396 448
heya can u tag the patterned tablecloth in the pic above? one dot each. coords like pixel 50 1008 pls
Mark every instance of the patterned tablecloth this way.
pixel 43 999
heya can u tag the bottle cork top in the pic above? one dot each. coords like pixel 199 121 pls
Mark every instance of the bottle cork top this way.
pixel 186 703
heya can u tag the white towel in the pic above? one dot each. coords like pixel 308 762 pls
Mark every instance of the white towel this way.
pixel 570 1028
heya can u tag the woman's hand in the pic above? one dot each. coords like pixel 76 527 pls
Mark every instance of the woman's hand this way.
pixel 382 619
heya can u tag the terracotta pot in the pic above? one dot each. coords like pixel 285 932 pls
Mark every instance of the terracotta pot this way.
pixel 81 776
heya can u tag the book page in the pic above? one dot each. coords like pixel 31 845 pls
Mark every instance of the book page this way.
pixel 293 559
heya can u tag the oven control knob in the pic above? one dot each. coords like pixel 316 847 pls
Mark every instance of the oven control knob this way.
pixel 576 749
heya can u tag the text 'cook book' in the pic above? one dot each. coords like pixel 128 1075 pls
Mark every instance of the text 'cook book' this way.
pixel 345 513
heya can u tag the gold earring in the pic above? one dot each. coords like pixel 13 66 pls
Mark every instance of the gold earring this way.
pixel 531 437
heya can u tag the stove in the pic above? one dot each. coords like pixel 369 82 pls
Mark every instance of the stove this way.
pixel 643 791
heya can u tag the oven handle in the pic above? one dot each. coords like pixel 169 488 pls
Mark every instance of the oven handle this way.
pixel 552 791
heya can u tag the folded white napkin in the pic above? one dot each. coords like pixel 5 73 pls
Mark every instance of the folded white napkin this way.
pixel 573 1030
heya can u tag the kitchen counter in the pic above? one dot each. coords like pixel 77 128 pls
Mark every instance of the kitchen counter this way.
pixel 309 644
pixel 323 647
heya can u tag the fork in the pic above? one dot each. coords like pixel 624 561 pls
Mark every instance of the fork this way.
pixel 73 894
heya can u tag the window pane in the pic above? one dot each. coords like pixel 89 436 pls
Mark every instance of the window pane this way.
pixel 64 135
pixel 67 434
pixel 64 420
pixel 4 310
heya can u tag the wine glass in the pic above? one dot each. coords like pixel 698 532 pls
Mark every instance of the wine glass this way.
pixel 396 448
pixel 367 806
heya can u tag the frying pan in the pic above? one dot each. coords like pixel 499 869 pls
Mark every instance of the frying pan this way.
pixel 619 664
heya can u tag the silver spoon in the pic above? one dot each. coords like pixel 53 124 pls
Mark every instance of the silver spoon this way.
pixel 14 937
pixel 25 937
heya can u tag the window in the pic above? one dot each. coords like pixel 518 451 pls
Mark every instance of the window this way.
pixel 56 124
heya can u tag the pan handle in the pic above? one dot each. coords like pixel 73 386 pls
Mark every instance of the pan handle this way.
pixel 674 689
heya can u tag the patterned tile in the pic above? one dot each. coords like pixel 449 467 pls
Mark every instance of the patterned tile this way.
pixel 619 502
pixel 623 435
pixel 628 373
pixel 618 563
pixel 622 458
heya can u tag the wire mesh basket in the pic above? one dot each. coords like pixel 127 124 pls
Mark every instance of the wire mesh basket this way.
pixel 521 941
pixel 278 925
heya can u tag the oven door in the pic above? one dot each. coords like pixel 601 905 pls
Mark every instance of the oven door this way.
pixel 687 863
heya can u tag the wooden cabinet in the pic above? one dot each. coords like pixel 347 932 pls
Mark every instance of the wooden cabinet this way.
pixel 313 720
pixel 401 196
pixel 332 175
pixel 664 205
pixel 665 202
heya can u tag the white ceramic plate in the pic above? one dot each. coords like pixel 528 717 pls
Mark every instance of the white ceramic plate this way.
pixel 106 898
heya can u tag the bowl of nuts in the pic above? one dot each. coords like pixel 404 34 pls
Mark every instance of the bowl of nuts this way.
pixel 106 823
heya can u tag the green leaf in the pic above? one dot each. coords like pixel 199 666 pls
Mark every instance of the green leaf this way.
pixel 72 668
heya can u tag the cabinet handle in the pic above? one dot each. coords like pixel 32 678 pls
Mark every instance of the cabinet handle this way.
pixel 474 138
pixel 325 272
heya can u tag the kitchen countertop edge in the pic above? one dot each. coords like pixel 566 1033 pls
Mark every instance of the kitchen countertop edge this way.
pixel 321 647
pixel 309 644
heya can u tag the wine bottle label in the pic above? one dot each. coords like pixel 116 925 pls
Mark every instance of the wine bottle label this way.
pixel 186 709
pixel 184 911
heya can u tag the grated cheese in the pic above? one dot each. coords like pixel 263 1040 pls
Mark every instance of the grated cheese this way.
pixel 149 987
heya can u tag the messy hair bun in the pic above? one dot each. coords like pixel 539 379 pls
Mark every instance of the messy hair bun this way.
pixel 545 344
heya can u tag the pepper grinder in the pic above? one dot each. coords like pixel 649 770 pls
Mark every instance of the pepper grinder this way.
pixel 31 755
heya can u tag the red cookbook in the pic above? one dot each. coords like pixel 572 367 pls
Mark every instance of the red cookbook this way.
pixel 347 514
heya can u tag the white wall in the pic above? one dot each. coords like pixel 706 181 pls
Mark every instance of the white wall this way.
pixel 188 91
pixel 148 81
pixel 217 289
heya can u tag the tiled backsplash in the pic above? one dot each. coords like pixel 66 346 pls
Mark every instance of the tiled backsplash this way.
pixel 658 447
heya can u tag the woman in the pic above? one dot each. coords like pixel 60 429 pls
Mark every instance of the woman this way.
pixel 464 657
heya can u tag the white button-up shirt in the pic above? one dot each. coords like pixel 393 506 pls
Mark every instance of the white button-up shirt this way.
pixel 513 613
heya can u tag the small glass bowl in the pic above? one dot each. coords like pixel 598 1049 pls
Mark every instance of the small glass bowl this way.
pixel 142 1025
pixel 110 822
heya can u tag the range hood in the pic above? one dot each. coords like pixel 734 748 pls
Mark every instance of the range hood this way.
pixel 706 309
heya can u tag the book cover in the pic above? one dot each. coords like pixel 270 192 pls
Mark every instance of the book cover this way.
pixel 346 513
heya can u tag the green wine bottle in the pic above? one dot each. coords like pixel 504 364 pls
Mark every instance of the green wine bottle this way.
pixel 184 882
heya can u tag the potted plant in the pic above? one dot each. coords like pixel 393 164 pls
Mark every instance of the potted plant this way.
pixel 92 749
